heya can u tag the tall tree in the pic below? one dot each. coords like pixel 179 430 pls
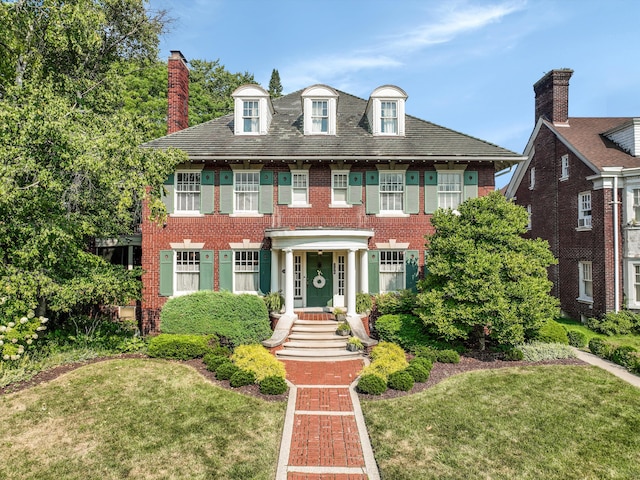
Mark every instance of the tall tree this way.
pixel 275 87
pixel 484 278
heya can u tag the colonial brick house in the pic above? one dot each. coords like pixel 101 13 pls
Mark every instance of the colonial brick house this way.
pixel 318 194
pixel 581 186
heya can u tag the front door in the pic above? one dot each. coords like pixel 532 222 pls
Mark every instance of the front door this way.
pixel 319 279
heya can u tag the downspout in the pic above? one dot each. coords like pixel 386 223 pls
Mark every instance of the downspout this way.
pixel 616 252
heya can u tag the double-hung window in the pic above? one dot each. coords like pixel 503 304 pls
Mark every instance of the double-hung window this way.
pixel 339 188
pixel 636 282
pixel 187 192
pixel 319 116
pixel 250 116
pixel 187 271
pixel 392 275
pixel 636 207
pixel 528 217
pixel 449 190
pixel 389 117
pixel 532 178
pixel 246 271
pixel 300 188
pixel 586 281
pixel 564 167
pixel 246 188
pixel 391 192
pixel 584 210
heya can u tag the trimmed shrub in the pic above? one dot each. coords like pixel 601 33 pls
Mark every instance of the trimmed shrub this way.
pixel 552 332
pixel 513 355
pixel 447 356
pixel 600 347
pixel 222 351
pixel 386 349
pixel 242 378
pixel 622 355
pixel 403 301
pixel 634 363
pixel 616 323
pixel 425 352
pixel 538 351
pixel 418 372
pixel 386 358
pixel 226 370
pixel 179 347
pixel 241 319
pixel 404 329
pixel 372 384
pixel 577 339
pixel 258 360
pixel 212 361
pixel 273 385
pixel 402 381
pixel 423 362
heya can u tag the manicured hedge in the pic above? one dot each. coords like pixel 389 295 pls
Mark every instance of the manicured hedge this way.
pixel 386 358
pixel 241 319
pixel 616 323
pixel 577 339
pixel 273 385
pixel 553 332
pixel 258 360
pixel 180 347
pixel 372 384
pixel 404 329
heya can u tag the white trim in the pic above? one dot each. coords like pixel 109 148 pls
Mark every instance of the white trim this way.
pixel 186 245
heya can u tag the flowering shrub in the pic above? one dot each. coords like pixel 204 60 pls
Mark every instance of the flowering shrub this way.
pixel 17 336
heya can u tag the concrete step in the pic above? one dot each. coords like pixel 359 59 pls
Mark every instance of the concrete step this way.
pixel 324 344
pixel 316 322
pixel 316 336
pixel 314 328
pixel 317 355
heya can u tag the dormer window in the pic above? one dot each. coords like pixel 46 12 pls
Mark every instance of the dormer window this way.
pixel 389 117
pixel 252 110
pixel 319 105
pixel 386 111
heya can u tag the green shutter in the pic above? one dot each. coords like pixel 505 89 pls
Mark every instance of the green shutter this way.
pixel 206 270
pixel 284 188
pixel 411 258
pixel 226 192
pixel 374 271
pixel 206 191
pixel 166 273
pixel 470 185
pixel 430 191
pixel 265 271
pixel 225 270
pixel 167 193
pixel 265 204
pixel 372 192
pixel 412 192
pixel 354 195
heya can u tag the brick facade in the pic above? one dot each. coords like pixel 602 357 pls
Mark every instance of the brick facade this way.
pixel 178 94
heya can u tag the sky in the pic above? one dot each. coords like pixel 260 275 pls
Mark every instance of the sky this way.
pixel 468 65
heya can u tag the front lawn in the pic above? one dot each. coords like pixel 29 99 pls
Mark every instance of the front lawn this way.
pixel 137 418
pixel 556 422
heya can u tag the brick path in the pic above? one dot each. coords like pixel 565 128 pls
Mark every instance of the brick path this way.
pixel 324 430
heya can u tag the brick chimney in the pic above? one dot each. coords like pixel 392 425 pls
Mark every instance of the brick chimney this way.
pixel 178 93
pixel 552 96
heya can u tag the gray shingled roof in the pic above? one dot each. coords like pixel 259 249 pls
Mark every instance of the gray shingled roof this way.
pixel 423 140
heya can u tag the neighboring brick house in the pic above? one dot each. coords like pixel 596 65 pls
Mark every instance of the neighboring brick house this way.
pixel 318 194
pixel 581 186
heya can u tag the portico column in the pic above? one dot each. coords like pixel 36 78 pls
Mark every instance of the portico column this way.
pixel 351 282
pixel 364 271
pixel 288 282
pixel 275 270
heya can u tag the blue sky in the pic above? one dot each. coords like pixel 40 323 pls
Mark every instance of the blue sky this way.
pixel 467 65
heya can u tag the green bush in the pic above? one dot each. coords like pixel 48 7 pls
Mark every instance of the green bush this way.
pixel 538 351
pixel 622 355
pixel 423 362
pixel 258 360
pixel 600 347
pixel 623 322
pixel 372 384
pixel 402 381
pixel 425 352
pixel 242 378
pixel 404 329
pixel 418 372
pixel 241 319
pixel 577 339
pixel 179 347
pixel 223 351
pixel 273 301
pixel 273 385
pixel 447 356
pixel 226 370
pixel 513 355
pixel 386 358
pixel 364 302
pixel 212 361
pixel 634 363
pixel 393 303
pixel 552 332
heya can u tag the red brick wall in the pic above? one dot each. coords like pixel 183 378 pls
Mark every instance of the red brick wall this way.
pixel 178 93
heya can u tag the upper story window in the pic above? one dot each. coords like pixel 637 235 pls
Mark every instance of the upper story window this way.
pixel 449 189
pixel 391 192
pixel 584 210
pixel 319 106
pixel 532 178
pixel 339 187
pixel 252 110
pixel 187 276
pixel 386 111
pixel 320 116
pixel 389 117
pixel 636 206
pixel 250 116
pixel 564 167
pixel 246 187
pixel 187 192
pixel 300 188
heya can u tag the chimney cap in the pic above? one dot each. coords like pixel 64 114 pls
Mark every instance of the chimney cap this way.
pixel 557 73
pixel 177 55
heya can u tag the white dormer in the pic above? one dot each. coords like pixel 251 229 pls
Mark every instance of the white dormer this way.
pixel 319 105
pixel 627 136
pixel 252 110
pixel 385 111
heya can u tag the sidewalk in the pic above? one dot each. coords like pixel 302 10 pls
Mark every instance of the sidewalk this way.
pixel 324 436
pixel 611 367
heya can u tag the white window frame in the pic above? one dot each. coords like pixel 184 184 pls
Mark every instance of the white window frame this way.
pixel 394 194
pixel 251 115
pixel 320 120
pixel 186 262
pixel 636 205
pixel 300 188
pixel 246 262
pixel 636 282
pixel 528 217
pixel 532 178
pixel 389 116
pixel 187 192
pixel 392 262
pixel 564 168
pixel 450 192
pixel 343 174
pixel 239 177
pixel 584 206
pixel 585 282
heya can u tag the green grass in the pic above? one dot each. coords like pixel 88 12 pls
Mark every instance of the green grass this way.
pixel 630 339
pixel 560 422
pixel 136 418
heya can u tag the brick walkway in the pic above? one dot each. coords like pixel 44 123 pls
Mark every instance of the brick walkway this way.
pixel 324 430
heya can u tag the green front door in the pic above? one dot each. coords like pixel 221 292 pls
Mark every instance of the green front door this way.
pixel 319 280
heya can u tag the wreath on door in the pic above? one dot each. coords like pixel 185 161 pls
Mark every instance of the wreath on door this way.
pixel 319 281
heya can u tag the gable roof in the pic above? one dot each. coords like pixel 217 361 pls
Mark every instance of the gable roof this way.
pixel 353 141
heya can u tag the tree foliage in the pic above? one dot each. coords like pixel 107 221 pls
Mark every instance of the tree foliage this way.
pixel 484 277
pixel 275 87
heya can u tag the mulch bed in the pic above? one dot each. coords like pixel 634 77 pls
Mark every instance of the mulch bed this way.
pixel 470 361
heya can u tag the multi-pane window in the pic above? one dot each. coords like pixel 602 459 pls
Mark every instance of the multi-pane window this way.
pixel 319 116
pixel 528 217
pixel 586 280
pixel 300 188
pixel 341 275
pixel 297 277
pixel 636 281
pixel 449 190
pixel 246 188
pixel 584 209
pixel 532 178
pixel 391 270
pixel 389 117
pixel 564 167
pixel 246 271
pixel 187 271
pixel 391 191
pixel 250 116
pixel 339 187
pixel 636 205
pixel 188 191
